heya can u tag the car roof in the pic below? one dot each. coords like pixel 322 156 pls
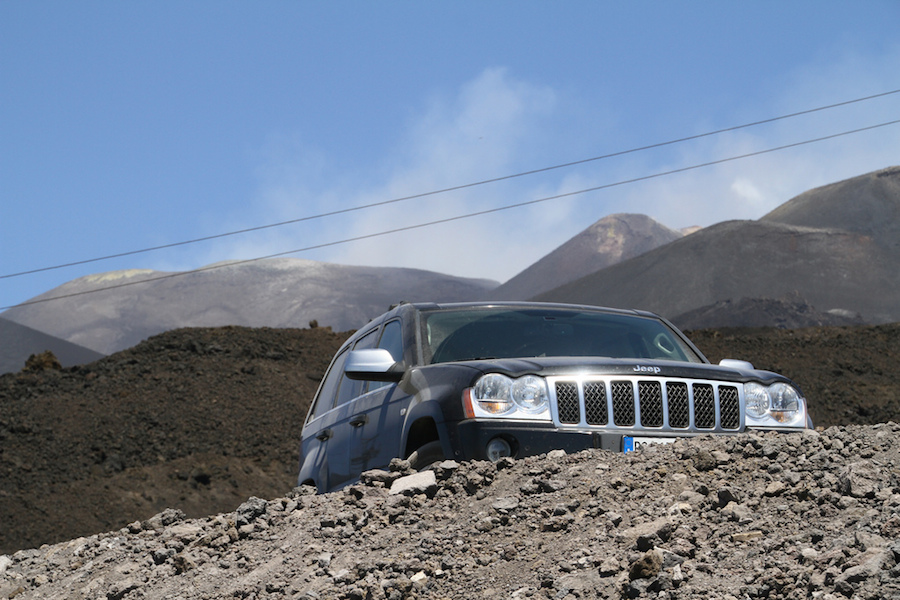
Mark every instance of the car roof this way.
pixel 403 307
pixel 526 304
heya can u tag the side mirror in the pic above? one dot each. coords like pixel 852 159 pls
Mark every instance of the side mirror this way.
pixel 741 365
pixel 373 364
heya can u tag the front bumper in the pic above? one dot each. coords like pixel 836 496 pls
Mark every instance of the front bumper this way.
pixel 469 439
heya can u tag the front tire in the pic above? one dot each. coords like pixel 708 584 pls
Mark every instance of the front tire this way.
pixel 426 456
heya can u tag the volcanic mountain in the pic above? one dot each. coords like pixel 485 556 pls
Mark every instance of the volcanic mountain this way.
pixel 609 241
pixel 827 257
pixel 833 248
pixel 116 310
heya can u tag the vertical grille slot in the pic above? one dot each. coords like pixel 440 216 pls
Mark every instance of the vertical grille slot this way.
pixel 623 403
pixel 650 397
pixel 679 407
pixel 729 407
pixel 704 406
pixel 567 402
pixel 595 410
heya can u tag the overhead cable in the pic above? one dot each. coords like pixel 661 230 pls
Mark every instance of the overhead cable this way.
pixel 448 189
pixel 458 217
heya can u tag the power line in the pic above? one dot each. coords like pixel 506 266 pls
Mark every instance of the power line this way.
pixel 448 189
pixel 461 217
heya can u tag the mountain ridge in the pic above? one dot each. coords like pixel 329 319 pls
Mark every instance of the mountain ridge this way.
pixel 610 240
pixel 281 292
pixel 826 256
pixel 841 264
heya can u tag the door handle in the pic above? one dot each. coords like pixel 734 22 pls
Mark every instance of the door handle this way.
pixel 359 420
pixel 325 434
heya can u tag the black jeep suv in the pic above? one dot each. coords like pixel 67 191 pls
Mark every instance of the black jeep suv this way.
pixel 470 381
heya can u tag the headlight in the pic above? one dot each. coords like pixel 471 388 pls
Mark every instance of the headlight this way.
pixel 492 394
pixel 779 404
pixel 785 402
pixel 495 395
pixel 757 400
pixel 530 394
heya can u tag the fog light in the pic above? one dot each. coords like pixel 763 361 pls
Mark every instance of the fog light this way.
pixel 497 448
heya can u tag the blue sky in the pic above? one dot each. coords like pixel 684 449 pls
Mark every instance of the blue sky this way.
pixel 128 125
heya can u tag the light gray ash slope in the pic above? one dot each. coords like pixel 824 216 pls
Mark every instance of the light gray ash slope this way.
pixel 281 292
pixel 815 515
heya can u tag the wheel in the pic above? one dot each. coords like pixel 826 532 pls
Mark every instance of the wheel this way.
pixel 426 456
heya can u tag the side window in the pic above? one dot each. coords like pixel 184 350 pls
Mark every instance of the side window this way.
pixel 366 341
pixel 392 341
pixel 325 399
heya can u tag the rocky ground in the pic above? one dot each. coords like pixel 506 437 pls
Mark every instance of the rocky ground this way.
pixel 194 422
pixel 812 515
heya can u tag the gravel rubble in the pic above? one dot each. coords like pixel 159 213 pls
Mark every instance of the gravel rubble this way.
pixel 811 515
pixel 200 419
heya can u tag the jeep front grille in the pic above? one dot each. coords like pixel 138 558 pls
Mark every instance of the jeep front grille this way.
pixel 646 403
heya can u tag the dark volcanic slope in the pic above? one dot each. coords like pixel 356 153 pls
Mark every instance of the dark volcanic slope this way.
pixel 195 418
pixel 762 312
pixel 834 248
pixel 200 419
pixel 18 342
pixel 610 240
pixel 827 269
pixel 873 209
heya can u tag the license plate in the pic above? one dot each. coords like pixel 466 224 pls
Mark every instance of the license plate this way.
pixel 630 443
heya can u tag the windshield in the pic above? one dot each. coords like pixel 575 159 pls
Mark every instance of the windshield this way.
pixel 505 332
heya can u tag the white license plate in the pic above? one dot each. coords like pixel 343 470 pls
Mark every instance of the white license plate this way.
pixel 630 443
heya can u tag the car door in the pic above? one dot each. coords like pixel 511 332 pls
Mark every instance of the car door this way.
pixel 377 415
pixel 343 421
pixel 318 431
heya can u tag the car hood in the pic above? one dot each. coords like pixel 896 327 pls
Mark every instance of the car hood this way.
pixel 580 365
